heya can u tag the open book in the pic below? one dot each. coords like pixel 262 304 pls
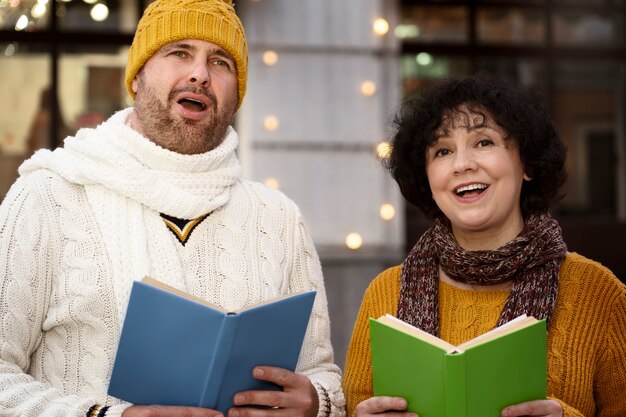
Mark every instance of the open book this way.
pixel 480 377
pixel 177 349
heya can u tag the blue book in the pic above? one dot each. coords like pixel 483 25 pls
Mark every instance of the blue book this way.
pixel 176 349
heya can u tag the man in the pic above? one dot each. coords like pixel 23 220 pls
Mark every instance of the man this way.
pixel 154 190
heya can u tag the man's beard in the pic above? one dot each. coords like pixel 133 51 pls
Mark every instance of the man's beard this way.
pixel 181 136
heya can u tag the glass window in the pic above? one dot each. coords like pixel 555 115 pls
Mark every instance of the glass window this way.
pixel 588 105
pixel 511 26
pixel 25 108
pixel 538 2
pixel 525 71
pixel 611 3
pixel 433 24
pixel 585 28
pixel 419 70
pixel 114 16
pixel 91 85
pixel 29 16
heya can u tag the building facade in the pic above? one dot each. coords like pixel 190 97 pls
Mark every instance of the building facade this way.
pixel 325 78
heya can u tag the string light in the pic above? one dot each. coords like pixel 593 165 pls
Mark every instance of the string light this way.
pixel 270 123
pixel 387 212
pixel 99 12
pixel 407 31
pixel 38 10
pixel 270 58
pixel 354 241
pixel 21 23
pixel 272 183
pixel 380 26
pixel 10 49
pixel 424 58
pixel 368 88
pixel 383 149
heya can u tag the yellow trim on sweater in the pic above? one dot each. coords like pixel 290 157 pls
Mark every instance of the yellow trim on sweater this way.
pixel 586 339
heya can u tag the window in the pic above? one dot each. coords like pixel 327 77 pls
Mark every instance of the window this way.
pixel 60 74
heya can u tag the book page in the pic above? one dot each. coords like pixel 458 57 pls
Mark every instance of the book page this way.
pixel 270 301
pixel 405 327
pixel 169 288
pixel 506 328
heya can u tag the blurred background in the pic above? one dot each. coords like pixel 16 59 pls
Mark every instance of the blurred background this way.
pixel 325 78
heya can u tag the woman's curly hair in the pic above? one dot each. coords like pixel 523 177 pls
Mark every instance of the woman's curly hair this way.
pixel 520 111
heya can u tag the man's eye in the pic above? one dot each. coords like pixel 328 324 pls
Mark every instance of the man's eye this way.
pixel 221 63
pixel 180 54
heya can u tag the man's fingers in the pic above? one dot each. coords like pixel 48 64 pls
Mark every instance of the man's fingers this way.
pixel 168 411
pixel 266 398
pixel 280 376
pixel 279 399
pixel 261 412
pixel 298 396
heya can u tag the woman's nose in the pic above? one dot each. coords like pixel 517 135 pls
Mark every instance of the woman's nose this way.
pixel 464 160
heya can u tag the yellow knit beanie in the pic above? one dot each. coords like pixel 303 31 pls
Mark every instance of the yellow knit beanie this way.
pixel 166 21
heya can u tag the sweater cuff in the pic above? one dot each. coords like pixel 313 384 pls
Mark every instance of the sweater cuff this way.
pixel 324 403
pixel 106 411
pixel 568 411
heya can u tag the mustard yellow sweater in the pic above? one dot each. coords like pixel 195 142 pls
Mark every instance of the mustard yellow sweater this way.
pixel 586 339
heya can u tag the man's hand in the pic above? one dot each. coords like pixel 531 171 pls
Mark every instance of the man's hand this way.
pixel 538 408
pixel 297 399
pixel 168 411
pixel 390 406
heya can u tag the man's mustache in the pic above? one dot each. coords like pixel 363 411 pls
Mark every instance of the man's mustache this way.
pixel 203 91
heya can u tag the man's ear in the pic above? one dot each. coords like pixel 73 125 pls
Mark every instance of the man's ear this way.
pixel 133 85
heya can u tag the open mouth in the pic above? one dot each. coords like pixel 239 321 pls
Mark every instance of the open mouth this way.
pixel 192 104
pixel 472 189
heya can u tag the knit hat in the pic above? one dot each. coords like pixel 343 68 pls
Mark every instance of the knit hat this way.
pixel 166 21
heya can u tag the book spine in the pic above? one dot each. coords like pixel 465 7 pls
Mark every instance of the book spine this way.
pixel 455 385
pixel 217 367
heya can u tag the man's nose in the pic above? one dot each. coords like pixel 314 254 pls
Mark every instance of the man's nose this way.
pixel 199 73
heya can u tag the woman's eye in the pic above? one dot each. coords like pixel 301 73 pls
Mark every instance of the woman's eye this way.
pixel 485 142
pixel 441 152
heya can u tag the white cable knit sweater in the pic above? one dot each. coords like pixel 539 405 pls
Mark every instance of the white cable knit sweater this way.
pixel 83 222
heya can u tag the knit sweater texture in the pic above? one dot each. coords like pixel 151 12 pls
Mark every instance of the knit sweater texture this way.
pixel 83 222
pixel 586 340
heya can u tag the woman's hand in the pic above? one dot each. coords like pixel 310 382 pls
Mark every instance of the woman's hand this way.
pixel 391 406
pixel 538 408
pixel 297 399
pixel 168 411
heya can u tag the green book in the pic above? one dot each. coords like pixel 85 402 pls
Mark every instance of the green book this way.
pixel 478 378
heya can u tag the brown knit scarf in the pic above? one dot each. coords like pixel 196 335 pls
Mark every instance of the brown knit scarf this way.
pixel 532 261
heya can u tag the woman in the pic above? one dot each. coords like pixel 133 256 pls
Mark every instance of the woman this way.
pixel 484 160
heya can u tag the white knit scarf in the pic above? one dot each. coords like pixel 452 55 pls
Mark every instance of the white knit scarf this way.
pixel 129 180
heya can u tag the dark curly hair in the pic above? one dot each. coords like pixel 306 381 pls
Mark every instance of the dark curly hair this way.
pixel 521 112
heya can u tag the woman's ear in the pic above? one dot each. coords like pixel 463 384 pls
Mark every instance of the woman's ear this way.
pixel 527 177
